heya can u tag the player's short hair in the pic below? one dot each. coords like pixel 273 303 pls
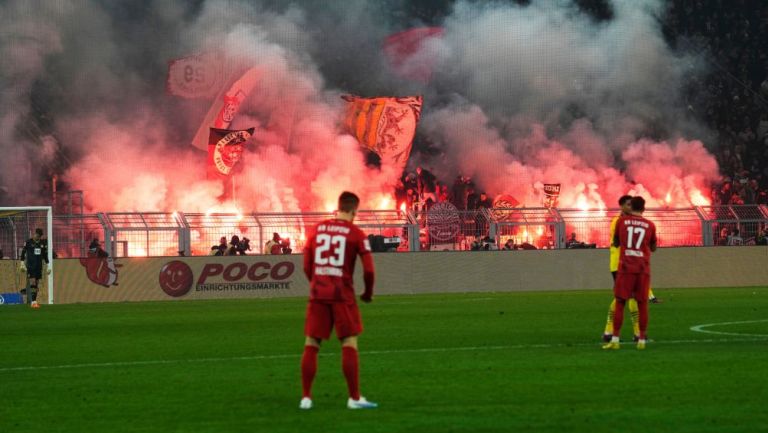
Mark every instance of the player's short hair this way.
pixel 39 231
pixel 623 199
pixel 638 204
pixel 348 201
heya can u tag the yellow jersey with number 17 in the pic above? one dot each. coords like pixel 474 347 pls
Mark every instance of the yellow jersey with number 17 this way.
pixel 614 263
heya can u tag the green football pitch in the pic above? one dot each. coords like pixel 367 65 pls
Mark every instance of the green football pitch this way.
pixel 481 362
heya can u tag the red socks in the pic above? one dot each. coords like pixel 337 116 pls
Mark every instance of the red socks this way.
pixel 642 308
pixel 350 365
pixel 308 368
pixel 618 317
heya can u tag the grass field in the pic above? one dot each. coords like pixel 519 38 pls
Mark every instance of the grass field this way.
pixel 483 362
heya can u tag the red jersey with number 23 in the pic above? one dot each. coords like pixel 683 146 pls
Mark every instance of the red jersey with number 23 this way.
pixel 332 251
pixel 634 234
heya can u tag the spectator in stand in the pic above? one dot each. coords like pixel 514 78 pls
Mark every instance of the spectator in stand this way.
pixel 234 246
pixel 723 238
pixel 459 193
pixel 735 238
pixel 443 196
pixel 762 125
pixel 762 197
pixel 484 202
pixel 221 248
pixel 736 200
pixel 762 236
pixel 411 199
pixel 244 246
pixel 472 198
pixel 725 192
pixel 409 182
pixel 752 191
pixel 426 182
pixel 274 245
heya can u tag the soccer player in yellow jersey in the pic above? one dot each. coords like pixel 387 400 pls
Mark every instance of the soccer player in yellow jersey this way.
pixel 625 203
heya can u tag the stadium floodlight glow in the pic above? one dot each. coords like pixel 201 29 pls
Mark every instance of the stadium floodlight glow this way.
pixel 18 224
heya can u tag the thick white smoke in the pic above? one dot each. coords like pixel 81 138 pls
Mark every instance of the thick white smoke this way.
pixel 24 46
pixel 549 96
pixel 520 96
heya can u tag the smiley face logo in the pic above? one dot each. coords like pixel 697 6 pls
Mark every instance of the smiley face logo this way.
pixel 176 278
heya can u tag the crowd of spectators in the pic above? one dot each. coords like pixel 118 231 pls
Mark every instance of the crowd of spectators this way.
pixel 732 98
pixel 420 190
pixel 235 247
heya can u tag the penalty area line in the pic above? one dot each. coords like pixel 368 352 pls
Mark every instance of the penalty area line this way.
pixel 757 337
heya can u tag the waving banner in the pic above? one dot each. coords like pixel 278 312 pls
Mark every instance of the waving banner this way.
pixel 551 194
pixel 411 53
pixel 384 125
pixel 502 207
pixel 197 76
pixel 226 105
pixel 225 148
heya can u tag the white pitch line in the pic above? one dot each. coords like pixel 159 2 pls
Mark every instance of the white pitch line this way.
pixel 370 352
pixel 424 302
pixel 700 328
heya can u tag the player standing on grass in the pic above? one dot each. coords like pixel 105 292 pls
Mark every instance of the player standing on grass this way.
pixel 329 263
pixel 626 208
pixel 636 238
pixel 33 254
pixel 625 203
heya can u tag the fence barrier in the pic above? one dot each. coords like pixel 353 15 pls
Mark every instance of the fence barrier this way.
pixel 443 227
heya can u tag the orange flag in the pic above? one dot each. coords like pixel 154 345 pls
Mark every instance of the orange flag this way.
pixel 384 125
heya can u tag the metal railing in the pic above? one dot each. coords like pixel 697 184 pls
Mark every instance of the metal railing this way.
pixel 675 226
pixel 72 234
pixel 529 228
pixel 444 228
pixel 734 225
pixel 440 228
pixel 206 231
pixel 131 234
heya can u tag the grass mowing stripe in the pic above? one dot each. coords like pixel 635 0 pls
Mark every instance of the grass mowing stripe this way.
pixel 375 352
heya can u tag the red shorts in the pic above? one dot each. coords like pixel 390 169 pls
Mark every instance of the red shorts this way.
pixel 322 317
pixel 632 286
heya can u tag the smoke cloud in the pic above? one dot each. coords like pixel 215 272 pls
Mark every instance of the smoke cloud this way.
pixel 519 96
pixel 546 95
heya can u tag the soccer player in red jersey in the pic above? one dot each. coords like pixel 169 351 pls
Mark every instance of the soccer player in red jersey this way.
pixel 636 238
pixel 329 263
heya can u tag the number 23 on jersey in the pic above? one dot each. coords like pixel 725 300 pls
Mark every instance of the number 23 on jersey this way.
pixel 336 244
